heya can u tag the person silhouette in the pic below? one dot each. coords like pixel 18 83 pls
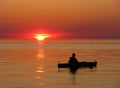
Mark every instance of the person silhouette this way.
pixel 73 60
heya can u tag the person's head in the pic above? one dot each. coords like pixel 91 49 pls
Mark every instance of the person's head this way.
pixel 73 55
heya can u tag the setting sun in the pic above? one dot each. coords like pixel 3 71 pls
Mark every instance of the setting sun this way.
pixel 41 36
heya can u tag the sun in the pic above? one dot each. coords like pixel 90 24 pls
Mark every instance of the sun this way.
pixel 41 37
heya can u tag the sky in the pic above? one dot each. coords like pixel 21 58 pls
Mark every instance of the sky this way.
pixel 76 19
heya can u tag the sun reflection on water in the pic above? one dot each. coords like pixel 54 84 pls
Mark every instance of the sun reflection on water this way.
pixel 40 54
pixel 39 70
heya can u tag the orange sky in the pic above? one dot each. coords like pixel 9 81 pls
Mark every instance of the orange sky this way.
pixel 79 18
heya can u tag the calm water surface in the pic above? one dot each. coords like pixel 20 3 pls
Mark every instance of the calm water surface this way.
pixel 33 64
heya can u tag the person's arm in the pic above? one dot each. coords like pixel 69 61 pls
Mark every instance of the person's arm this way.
pixel 76 60
pixel 69 60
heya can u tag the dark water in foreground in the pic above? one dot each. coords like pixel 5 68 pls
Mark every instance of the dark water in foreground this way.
pixel 33 64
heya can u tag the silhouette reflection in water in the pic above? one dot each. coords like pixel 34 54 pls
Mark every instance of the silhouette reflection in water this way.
pixel 73 70
pixel 73 73
pixel 73 79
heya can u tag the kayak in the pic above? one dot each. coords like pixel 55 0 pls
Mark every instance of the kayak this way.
pixel 78 65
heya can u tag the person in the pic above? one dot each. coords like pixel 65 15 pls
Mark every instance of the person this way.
pixel 73 60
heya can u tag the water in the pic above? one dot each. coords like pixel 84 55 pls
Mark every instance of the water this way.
pixel 33 64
